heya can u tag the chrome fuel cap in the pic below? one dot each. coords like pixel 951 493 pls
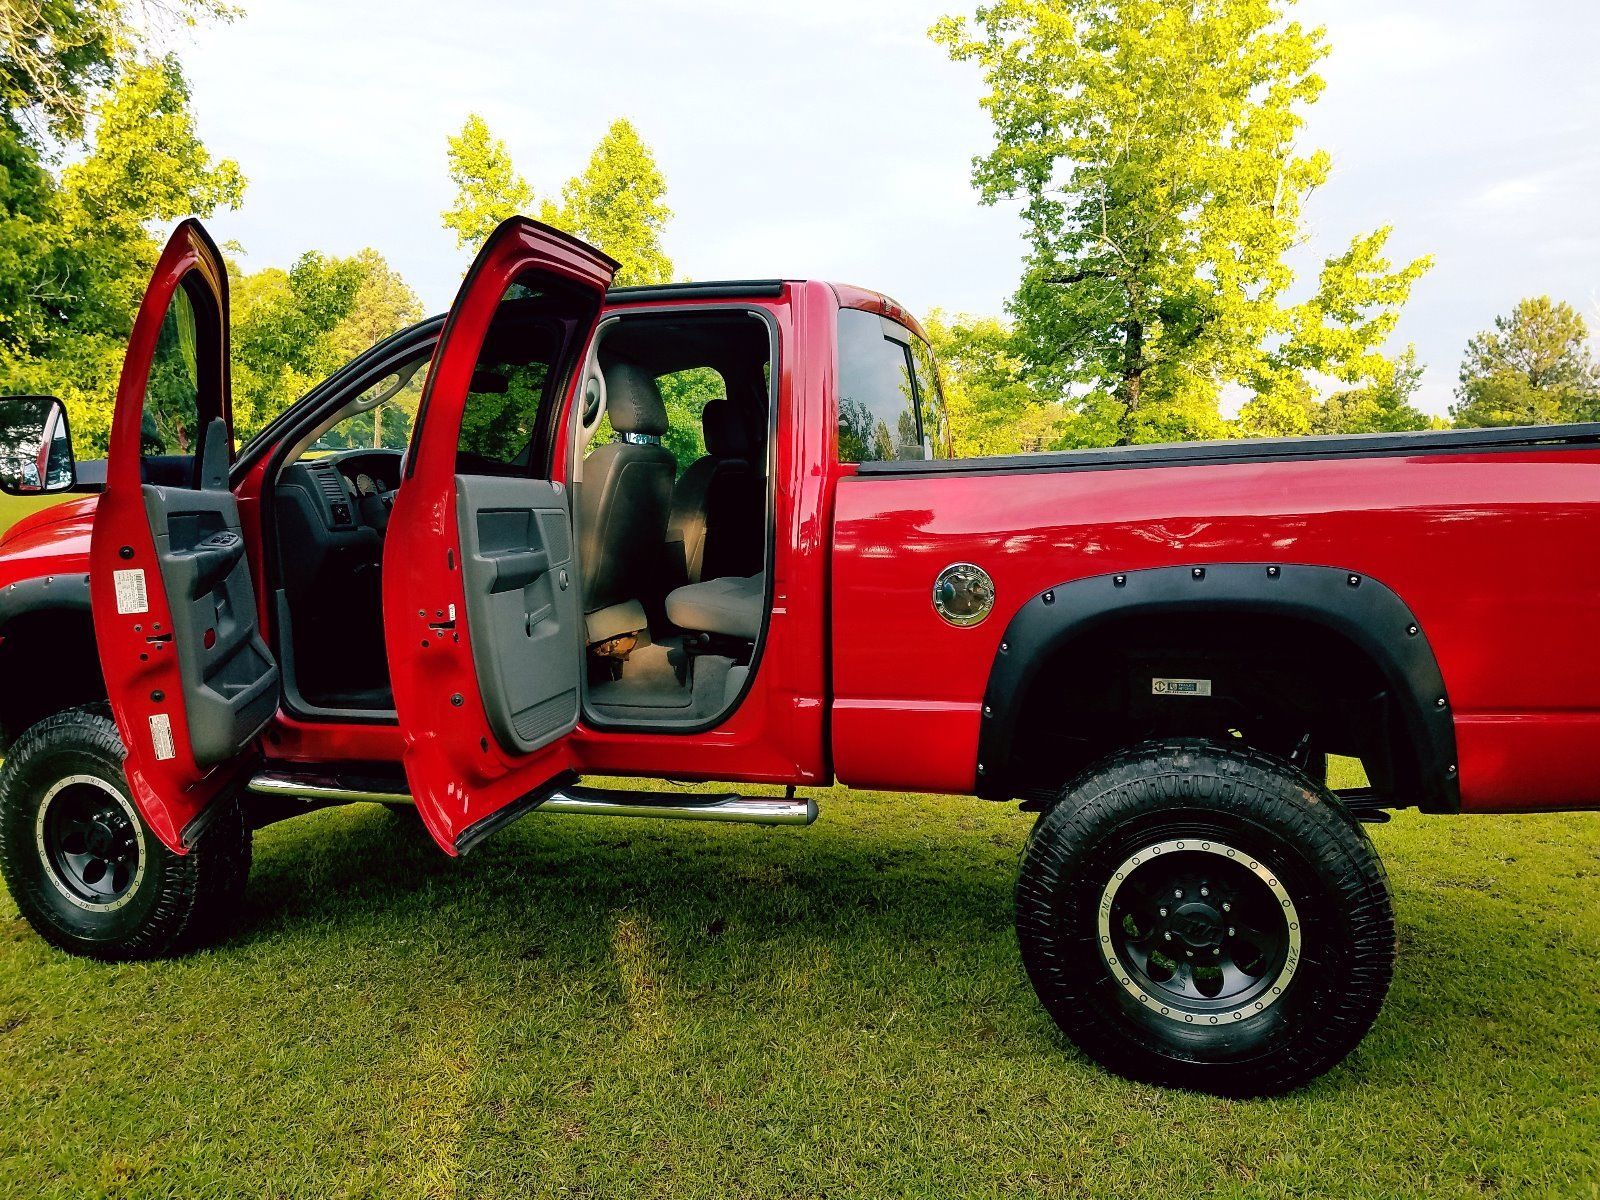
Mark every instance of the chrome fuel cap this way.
pixel 963 594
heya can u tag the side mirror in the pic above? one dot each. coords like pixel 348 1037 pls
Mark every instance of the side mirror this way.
pixel 35 447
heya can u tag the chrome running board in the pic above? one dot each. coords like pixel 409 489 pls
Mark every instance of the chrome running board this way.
pixel 327 790
pixel 688 806
pixel 586 801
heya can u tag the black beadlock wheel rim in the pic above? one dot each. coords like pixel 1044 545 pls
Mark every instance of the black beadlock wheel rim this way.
pixel 90 842
pixel 1198 931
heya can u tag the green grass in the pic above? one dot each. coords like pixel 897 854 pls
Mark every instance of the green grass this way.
pixel 605 1008
pixel 14 508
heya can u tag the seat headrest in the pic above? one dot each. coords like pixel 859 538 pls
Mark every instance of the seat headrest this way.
pixel 633 401
pixel 726 435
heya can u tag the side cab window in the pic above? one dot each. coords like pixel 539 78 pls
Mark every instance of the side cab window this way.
pixel 890 405
pixel 181 391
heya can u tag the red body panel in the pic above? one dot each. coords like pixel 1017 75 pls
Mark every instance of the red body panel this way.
pixel 141 671
pixel 776 735
pixel 52 541
pixel 1493 552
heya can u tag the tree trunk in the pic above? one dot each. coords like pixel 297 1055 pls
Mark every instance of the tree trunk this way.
pixel 1131 388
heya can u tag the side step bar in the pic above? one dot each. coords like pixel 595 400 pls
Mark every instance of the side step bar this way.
pixel 588 801
pixel 690 806
pixel 328 789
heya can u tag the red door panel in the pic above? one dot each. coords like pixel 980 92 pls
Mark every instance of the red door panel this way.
pixel 190 681
pixel 470 553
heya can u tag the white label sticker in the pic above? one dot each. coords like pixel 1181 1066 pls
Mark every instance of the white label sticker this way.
pixel 1180 687
pixel 131 594
pixel 161 737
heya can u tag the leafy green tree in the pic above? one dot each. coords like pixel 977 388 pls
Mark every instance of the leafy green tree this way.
pixel 488 187
pixel 291 329
pixel 617 203
pixel 992 408
pixel 1533 368
pixel 84 244
pixel 686 394
pixel 1383 406
pixel 56 54
pixel 1153 144
pixel 37 263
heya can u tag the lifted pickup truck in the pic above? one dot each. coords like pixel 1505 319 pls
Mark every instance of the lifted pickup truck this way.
pixel 464 572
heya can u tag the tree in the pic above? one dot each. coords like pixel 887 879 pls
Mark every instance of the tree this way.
pixel 616 204
pixel 291 329
pixel 84 245
pixel 1153 145
pixel 1533 368
pixel 992 408
pixel 1383 406
pixel 488 188
pixel 56 54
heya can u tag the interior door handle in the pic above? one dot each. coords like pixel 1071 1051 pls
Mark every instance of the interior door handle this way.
pixel 214 560
pixel 517 569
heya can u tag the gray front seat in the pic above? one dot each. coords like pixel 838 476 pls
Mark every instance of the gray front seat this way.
pixel 623 504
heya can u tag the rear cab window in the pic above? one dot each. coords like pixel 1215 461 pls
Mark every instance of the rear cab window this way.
pixel 890 404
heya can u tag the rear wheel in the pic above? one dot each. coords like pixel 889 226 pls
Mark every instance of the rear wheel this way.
pixel 82 865
pixel 1205 917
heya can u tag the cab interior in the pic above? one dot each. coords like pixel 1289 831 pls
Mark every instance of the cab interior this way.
pixel 670 440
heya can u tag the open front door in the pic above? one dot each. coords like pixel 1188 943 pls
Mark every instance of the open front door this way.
pixel 191 681
pixel 481 606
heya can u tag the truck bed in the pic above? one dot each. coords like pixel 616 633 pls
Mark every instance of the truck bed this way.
pixel 1491 537
pixel 1253 450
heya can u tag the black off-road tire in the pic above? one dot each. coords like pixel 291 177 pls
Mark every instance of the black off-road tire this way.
pixel 171 903
pixel 1229 820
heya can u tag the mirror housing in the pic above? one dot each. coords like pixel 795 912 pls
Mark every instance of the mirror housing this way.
pixel 35 447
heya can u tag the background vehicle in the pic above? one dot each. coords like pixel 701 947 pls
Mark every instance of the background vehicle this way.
pixel 1156 647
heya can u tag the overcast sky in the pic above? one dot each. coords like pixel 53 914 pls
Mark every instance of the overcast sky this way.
pixel 832 139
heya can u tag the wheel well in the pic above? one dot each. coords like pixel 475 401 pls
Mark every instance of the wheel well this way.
pixel 1286 685
pixel 48 662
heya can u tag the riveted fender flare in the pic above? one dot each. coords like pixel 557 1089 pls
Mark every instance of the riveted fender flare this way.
pixel 1353 605
pixel 44 593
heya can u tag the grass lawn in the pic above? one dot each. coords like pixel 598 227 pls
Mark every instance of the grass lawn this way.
pixel 14 508
pixel 598 1007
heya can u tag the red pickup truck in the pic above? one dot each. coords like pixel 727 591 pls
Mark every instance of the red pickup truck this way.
pixel 464 572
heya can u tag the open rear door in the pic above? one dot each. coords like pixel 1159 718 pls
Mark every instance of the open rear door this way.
pixel 481 606
pixel 191 681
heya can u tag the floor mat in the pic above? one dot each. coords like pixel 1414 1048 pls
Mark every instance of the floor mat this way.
pixel 649 687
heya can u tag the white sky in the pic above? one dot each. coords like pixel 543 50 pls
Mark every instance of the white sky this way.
pixel 832 139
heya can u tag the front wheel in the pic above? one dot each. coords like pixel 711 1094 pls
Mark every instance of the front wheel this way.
pixel 1205 917
pixel 82 865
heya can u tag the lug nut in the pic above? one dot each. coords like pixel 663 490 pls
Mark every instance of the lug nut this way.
pixel 1167 936
pixel 1163 912
pixel 1177 893
pixel 1230 931
pixel 1216 951
pixel 1190 953
pixel 1226 907
pixel 1205 891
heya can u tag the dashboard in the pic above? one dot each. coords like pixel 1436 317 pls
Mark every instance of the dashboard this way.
pixel 332 512
pixel 348 490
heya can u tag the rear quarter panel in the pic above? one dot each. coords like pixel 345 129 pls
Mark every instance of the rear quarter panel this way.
pixel 1493 551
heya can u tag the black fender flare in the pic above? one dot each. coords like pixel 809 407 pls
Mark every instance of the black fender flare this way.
pixel 44 593
pixel 1357 607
